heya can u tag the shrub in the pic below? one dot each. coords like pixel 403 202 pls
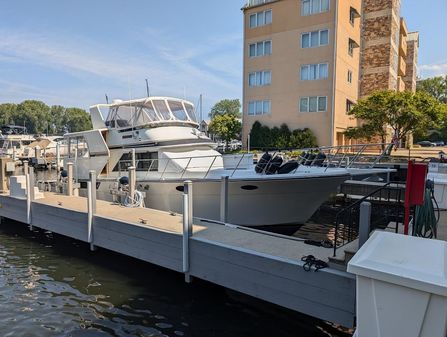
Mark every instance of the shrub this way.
pixel 262 137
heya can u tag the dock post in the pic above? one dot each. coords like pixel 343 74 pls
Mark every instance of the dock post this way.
pixel 58 158
pixel 37 153
pixel 32 182
pixel 28 200
pixel 70 179
pixel 25 167
pixel 92 176
pixel 14 153
pixel 224 199
pixel 187 226
pixel 90 214
pixel 132 182
pixel 133 158
pixel 365 223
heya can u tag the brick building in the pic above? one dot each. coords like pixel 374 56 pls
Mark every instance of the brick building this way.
pixel 306 62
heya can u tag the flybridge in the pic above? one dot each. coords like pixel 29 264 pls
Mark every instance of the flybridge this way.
pixel 151 110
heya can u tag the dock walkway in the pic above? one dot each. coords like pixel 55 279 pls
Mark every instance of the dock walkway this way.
pixel 261 265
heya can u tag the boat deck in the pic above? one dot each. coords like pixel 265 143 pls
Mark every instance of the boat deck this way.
pixel 255 263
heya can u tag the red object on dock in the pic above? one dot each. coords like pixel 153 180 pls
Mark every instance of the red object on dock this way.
pixel 414 189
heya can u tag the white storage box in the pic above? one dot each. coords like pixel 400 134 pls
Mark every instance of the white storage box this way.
pixel 401 286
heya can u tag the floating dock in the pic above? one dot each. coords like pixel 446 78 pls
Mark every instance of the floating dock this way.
pixel 255 263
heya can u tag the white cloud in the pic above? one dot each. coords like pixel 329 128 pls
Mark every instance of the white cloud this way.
pixel 172 68
pixel 432 70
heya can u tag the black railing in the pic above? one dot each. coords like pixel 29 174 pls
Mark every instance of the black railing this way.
pixel 387 206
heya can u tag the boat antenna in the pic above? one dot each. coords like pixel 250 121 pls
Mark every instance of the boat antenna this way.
pixel 107 99
pixel 147 88
pixel 201 110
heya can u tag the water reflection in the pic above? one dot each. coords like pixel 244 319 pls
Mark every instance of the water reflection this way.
pixel 54 286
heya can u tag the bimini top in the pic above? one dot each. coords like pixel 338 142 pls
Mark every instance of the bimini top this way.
pixel 151 110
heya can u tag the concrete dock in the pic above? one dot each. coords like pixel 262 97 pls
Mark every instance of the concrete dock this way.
pixel 264 266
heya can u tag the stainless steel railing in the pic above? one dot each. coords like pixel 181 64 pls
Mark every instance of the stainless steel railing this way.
pixel 193 165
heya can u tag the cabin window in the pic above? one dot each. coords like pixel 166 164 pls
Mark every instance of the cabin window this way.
pixel 146 161
pixel 79 145
pixel 162 109
pixel 190 110
pixel 150 111
pixel 177 110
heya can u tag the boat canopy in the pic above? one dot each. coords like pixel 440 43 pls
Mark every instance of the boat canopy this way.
pixel 150 110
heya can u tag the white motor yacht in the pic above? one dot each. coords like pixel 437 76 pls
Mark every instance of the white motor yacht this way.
pixel 13 140
pixel 163 134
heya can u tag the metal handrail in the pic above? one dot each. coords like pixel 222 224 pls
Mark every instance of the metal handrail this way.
pixel 237 166
pixel 357 204
pixel 209 168
pixel 185 169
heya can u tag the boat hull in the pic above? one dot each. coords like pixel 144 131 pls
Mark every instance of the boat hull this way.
pixel 257 202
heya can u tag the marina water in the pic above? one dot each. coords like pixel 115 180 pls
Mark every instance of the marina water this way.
pixel 51 285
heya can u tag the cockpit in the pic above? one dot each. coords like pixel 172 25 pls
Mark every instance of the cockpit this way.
pixel 152 110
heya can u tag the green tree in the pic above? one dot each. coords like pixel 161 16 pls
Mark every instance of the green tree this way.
pixel 7 113
pixel 226 127
pixel 76 119
pixel 35 115
pixel 403 112
pixel 226 107
pixel 255 135
pixel 436 86
pixel 283 139
pixel 302 139
pixel 57 117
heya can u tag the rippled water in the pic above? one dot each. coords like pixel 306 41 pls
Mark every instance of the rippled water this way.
pixel 54 286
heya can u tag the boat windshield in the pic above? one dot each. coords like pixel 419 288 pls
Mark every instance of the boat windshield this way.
pixel 149 111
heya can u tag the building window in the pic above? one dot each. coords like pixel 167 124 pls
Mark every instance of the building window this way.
pixel 351 16
pixel 311 72
pixel 309 7
pixel 261 19
pixel 259 78
pixel 261 48
pixel 353 13
pixel 315 39
pixel 349 105
pixel 351 45
pixel 349 76
pixel 259 107
pixel 313 104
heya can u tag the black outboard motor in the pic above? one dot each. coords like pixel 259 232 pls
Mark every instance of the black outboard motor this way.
pixel 274 165
pixel 262 163
pixel 288 167
pixel 319 160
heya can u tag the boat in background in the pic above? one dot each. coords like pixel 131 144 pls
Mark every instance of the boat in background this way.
pixel 13 140
pixel 160 137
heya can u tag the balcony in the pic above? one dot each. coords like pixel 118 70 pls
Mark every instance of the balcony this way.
pixel 254 3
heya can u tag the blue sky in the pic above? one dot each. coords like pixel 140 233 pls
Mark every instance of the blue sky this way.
pixel 73 52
